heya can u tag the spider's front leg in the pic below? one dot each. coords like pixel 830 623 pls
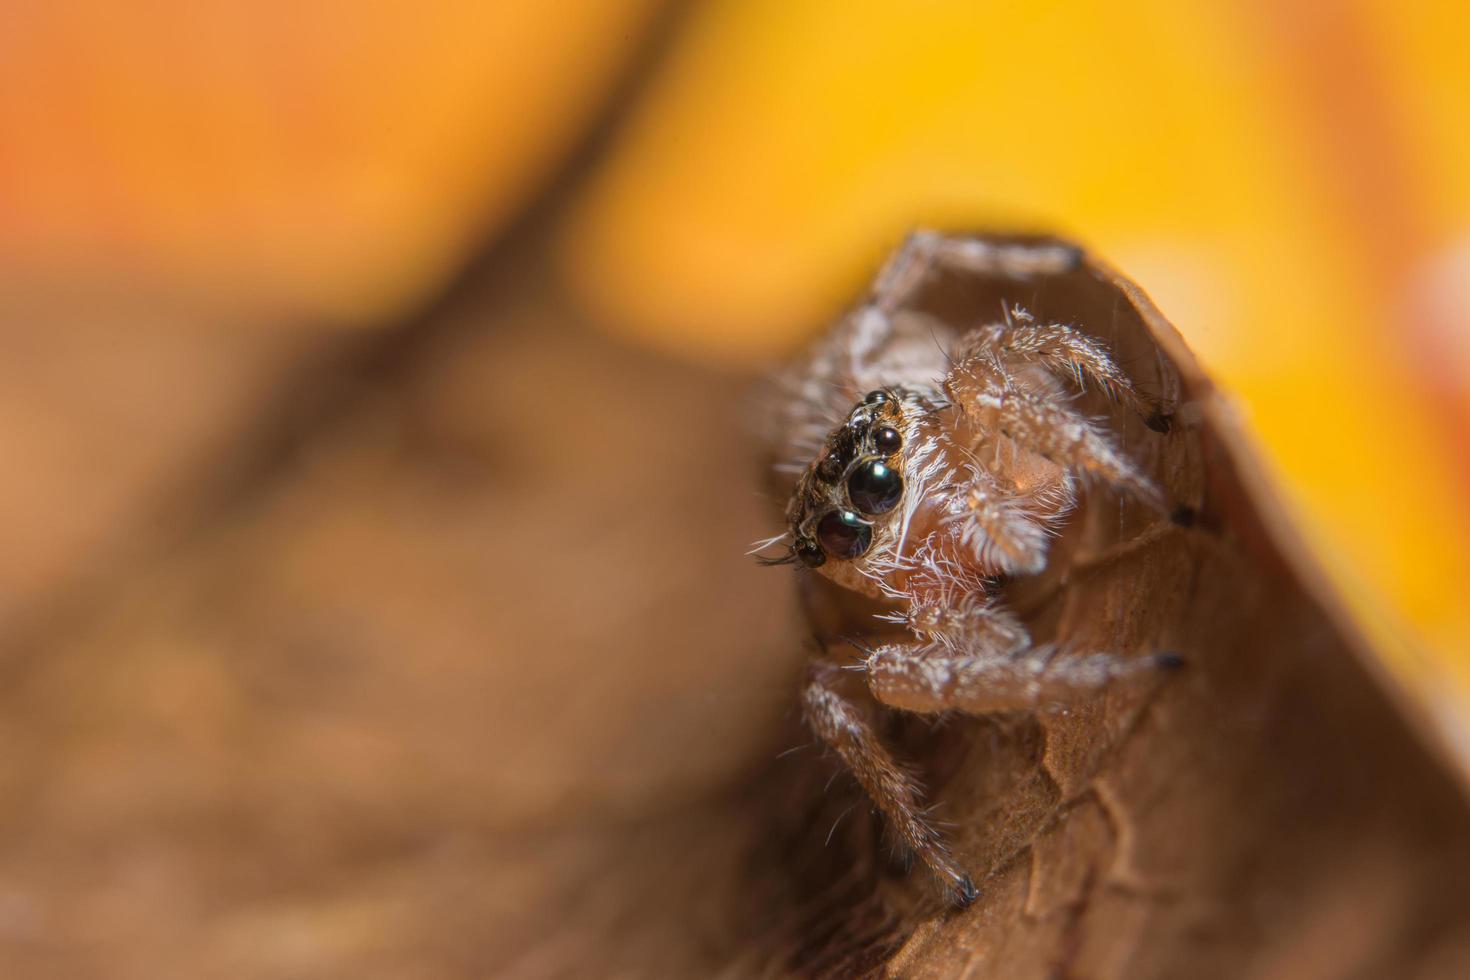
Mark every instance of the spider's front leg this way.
pixel 986 392
pixel 921 256
pixel 924 252
pixel 931 677
pixel 838 722
pixel 971 654
pixel 1066 352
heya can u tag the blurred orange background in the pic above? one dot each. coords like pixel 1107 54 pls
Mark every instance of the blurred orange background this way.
pixel 206 189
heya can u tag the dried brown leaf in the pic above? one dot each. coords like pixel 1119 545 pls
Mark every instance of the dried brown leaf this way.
pixel 479 682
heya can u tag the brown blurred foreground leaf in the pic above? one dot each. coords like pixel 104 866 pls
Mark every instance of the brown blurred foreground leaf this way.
pixel 478 681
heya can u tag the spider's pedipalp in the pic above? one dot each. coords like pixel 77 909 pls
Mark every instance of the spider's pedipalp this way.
pixel 996 528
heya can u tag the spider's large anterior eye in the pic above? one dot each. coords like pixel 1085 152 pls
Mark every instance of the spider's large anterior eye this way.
pixel 875 487
pixel 843 535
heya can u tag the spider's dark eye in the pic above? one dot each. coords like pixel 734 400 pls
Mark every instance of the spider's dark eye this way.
pixel 809 554
pixel 887 440
pixel 876 397
pixel 875 487
pixel 830 469
pixel 843 535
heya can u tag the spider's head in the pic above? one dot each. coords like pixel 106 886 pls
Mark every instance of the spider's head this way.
pixel 854 486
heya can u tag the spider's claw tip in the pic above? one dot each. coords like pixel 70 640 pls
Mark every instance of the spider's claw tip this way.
pixel 965 893
pixel 1168 660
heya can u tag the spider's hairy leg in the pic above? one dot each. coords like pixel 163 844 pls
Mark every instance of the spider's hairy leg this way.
pixel 1066 352
pixel 945 610
pixel 984 392
pixel 971 654
pixel 924 251
pixel 838 723
pixel 867 350
pixel 994 526
pixel 932 677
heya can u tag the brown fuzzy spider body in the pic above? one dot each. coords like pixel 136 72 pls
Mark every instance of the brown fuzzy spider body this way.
pixel 954 458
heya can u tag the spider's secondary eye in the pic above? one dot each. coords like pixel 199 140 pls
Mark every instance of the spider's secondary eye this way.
pixel 809 554
pixel 843 535
pixel 875 488
pixel 830 469
pixel 887 440
pixel 875 397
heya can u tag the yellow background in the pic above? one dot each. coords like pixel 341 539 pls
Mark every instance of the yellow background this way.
pixel 1291 182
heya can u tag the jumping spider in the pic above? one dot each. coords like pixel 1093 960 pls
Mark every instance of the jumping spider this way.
pixel 955 458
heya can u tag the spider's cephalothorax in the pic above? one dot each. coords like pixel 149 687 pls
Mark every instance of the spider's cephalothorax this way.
pixel 952 471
